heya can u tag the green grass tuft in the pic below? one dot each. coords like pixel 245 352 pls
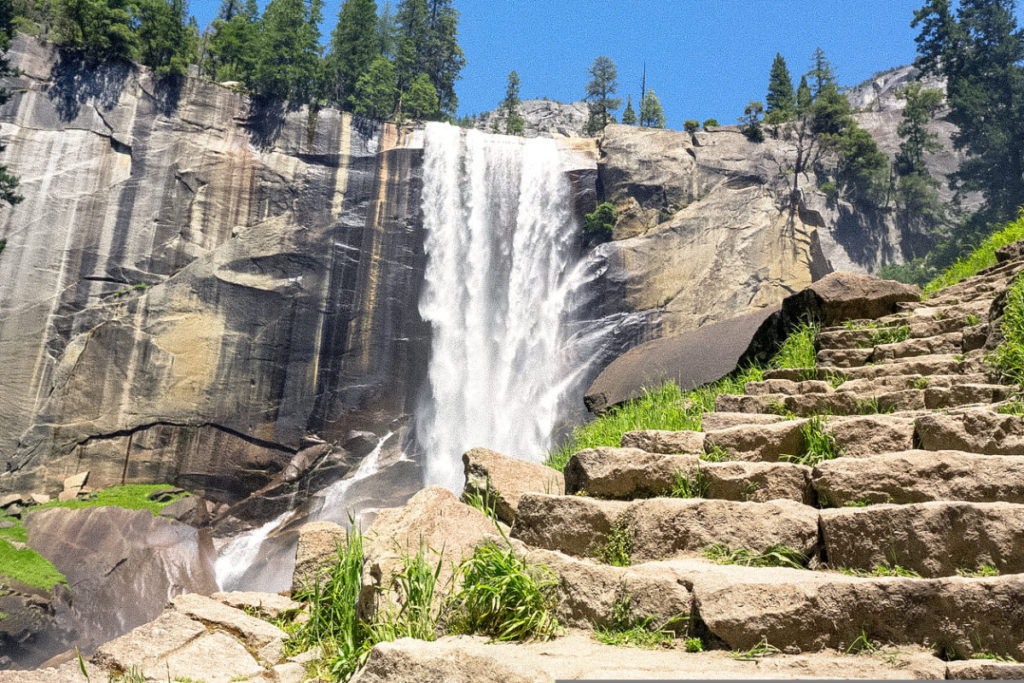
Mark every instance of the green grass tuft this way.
pixel 983 571
pixel 693 485
pixel 617 549
pixel 798 350
pixel 818 444
pixel 693 645
pixel 760 651
pixel 504 597
pixel 882 570
pixel 983 256
pixel 886 335
pixel 627 630
pixel 774 556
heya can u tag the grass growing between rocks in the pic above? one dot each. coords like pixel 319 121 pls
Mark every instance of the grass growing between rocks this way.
pixel 983 256
pixel 886 335
pixel 881 570
pixel 818 444
pixel 617 549
pixel 504 597
pixel 775 556
pixel 666 407
pixel 798 351
pixel 627 630
pixel 690 485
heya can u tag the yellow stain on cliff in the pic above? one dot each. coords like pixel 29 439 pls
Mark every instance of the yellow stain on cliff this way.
pixel 362 328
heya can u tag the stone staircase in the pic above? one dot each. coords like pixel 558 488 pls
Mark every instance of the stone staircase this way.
pixel 909 522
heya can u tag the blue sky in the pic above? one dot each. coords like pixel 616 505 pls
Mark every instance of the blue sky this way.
pixel 704 59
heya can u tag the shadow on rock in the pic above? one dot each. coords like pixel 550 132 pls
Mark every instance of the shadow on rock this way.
pixel 78 81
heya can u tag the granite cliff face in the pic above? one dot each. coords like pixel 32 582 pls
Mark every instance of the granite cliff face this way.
pixel 194 287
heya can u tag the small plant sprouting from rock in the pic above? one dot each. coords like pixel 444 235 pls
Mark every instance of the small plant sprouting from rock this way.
pixel 504 597
pixel 871 406
pixel 600 223
pixel 484 501
pixel 714 453
pixel 880 570
pixel 862 645
pixel 617 549
pixel 631 631
pixel 690 485
pixel 985 570
pixel 972 320
pixel 774 556
pixel 760 651
pixel 693 645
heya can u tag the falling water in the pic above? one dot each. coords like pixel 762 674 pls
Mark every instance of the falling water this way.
pixel 501 273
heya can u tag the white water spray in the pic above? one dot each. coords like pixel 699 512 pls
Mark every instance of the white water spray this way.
pixel 235 558
pixel 501 273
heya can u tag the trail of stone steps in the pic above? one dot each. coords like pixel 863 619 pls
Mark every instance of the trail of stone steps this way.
pixel 911 528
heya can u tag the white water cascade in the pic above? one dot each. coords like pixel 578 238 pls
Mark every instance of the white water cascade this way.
pixel 500 277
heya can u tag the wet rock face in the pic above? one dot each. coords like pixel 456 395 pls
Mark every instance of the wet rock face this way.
pixel 192 284
pixel 121 567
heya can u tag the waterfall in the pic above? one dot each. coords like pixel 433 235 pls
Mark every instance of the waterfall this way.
pixel 502 269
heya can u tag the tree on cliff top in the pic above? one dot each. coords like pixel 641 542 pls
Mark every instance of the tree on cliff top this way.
pixel 102 29
pixel 780 100
pixel 600 91
pixel 428 44
pixel 289 51
pixel 165 40
pixel 355 43
pixel 233 46
pixel 629 114
pixel 514 124
pixel 822 72
pixel 651 113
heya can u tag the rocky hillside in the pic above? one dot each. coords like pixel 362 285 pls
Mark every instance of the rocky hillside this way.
pixel 540 117
pixel 859 518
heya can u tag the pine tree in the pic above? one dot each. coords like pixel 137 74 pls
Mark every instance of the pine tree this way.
pixel 234 43
pixel 387 32
pixel 289 51
pixel 629 115
pixel 803 97
pixel 600 91
pixel 165 40
pixel 8 182
pixel 916 189
pixel 651 113
pixel 514 124
pixel 376 90
pixel 420 103
pixel 444 60
pixel 979 51
pixel 822 72
pixel 102 29
pixel 780 100
pixel 354 45
pixel 413 34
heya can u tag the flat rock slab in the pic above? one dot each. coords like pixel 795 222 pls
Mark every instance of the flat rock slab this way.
pixel 256 632
pixel 466 659
pixel 816 610
pixel 869 435
pixel 917 476
pixel 758 442
pixel 626 472
pixel 975 431
pixel 664 441
pixel 982 670
pixel 505 479
pixel 587 591
pixel 269 605
pixel 934 539
pixel 723 420
pixel 215 657
pixel 758 482
pixel 574 525
pixel 666 527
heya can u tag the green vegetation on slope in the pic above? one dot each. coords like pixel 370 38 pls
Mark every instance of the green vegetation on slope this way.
pixel 983 256
pixel 1008 357
pixel 27 566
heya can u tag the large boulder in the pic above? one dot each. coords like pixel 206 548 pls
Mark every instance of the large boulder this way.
pixel 505 479
pixel 121 565
pixel 315 552
pixel 433 521
pixel 831 300
pixel 689 359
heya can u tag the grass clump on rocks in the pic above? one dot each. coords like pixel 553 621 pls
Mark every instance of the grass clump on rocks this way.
pixel 818 444
pixel 617 549
pixel 797 351
pixel 983 256
pixel 774 556
pixel 627 630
